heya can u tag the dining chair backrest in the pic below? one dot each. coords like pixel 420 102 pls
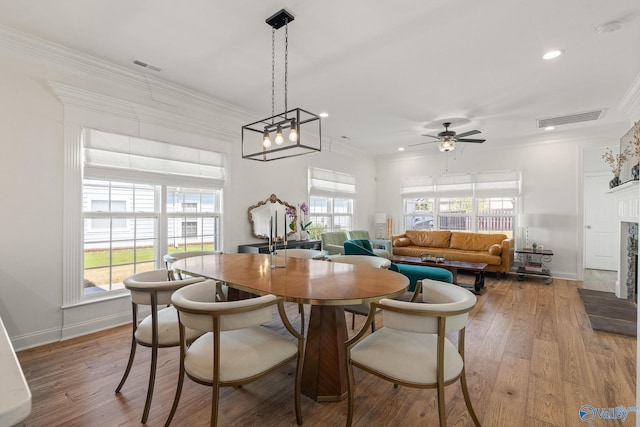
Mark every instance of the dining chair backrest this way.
pixel 439 300
pixel 143 284
pixel 372 261
pixel 198 308
pixel 302 253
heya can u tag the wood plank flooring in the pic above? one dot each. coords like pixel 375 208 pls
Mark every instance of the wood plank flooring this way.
pixel 532 360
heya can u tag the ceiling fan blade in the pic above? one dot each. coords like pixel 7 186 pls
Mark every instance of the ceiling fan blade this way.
pixel 470 140
pixel 463 134
pixel 431 136
pixel 421 143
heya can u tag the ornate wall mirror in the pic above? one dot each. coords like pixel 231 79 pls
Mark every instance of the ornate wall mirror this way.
pixel 261 213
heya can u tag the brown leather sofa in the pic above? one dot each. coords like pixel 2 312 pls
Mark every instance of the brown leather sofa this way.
pixel 496 250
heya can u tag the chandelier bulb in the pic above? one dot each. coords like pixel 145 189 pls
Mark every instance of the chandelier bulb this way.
pixel 279 138
pixel 293 134
pixel 266 141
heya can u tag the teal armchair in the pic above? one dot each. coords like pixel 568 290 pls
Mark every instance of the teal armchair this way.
pixel 380 247
pixel 413 272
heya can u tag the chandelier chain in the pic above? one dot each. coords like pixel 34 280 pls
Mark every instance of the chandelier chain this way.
pixel 273 73
pixel 286 63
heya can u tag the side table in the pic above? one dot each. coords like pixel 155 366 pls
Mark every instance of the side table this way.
pixel 532 263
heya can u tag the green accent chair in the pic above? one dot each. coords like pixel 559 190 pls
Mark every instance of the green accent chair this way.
pixel 381 247
pixel 413 272
pixel 333 242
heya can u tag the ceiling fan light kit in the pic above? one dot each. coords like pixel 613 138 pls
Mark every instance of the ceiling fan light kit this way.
pixel 286 126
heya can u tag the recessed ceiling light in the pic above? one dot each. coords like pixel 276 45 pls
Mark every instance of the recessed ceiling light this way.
pixel 323 114
pixel 552 54
pixel 401 149
pixel 550 128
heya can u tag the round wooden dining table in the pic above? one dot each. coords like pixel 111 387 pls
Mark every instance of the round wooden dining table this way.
pixel 325 285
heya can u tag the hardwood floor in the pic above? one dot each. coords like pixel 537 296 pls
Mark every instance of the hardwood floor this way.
pixel 532 360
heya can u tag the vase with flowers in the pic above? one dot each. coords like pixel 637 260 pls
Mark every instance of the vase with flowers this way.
pixel 304 221
pixel 291 214
pixel 635 143
pixel 615 163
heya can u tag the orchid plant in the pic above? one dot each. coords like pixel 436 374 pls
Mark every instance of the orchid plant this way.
pixel 291 213
pixel 305 212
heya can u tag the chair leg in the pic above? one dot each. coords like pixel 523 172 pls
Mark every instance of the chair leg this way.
pixel 467 399
pixel 152 381
pixel 132 355
pixel 215 395
pixel 297 389
pixel 132 352
pixel 176 399
pixel 353 321
pixel 301 311
pixel 350 393
pixel 442 414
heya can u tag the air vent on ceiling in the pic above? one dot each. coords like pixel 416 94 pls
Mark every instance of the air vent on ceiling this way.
pixel 145 65
pixel 571 118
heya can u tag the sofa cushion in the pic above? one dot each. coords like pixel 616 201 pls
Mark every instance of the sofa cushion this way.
pixel 401 241
pixel 474 241
pixel 429 239
pixel 495 249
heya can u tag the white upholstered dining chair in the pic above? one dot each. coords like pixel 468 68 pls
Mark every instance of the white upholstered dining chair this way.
pixel 172 257
pixel 304 254
pixel 371 261
pixel 158 329
pixel 235 348
pixel 412 348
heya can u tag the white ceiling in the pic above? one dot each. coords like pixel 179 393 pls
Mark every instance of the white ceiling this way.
pixel 386 72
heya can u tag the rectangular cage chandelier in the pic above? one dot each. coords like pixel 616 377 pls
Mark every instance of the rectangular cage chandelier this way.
pixel 281 135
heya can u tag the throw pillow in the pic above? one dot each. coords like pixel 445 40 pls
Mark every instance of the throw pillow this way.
pixel 495 249
pixel 401 241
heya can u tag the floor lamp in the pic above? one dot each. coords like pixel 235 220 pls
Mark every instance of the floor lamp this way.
pixel 381 221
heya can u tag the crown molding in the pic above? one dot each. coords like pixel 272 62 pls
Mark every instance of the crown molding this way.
pixel 153 88
pixel 99 103
pixel 630 103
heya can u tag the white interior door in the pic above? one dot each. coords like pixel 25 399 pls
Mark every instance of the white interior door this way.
pixel 601 226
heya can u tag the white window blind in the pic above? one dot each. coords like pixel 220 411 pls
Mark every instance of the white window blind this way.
pixel 498 184
pixel 114 157
pixel 418 186
pixel 327 183
pixel 455 185
pixel 482 184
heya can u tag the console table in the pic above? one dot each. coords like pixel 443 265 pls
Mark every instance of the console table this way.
pixel 532 263
pixel 263 248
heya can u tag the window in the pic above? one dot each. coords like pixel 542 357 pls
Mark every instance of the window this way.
pixel 193 219
pixel 455 213
pixel 496 215
pixel 331 201
pixel 419 214
pixel 484 202
pixel 329 214
pixel 127 226
pixel 124 241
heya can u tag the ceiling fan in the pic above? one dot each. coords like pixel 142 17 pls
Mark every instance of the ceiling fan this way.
pixel 448 138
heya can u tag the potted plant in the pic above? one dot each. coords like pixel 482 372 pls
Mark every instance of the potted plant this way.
pixel 615 162
pixel 635 142
pixel 304 221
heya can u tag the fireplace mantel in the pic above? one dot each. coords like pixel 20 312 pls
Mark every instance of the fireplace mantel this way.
pixel 627 199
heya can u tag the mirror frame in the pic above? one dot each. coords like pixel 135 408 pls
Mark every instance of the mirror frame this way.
pixel 273 199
